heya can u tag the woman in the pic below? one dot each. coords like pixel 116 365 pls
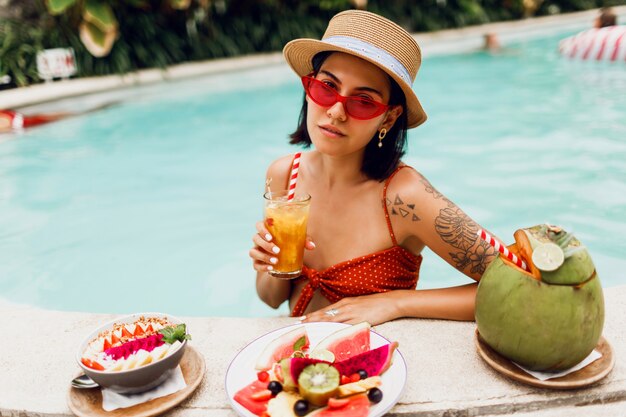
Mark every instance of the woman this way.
pixel 371 215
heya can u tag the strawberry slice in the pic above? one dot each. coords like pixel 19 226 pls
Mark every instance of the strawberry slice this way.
pixel 125 332
pixel 263 376
pixel 92 364
pixel 106 344
pixel 278 372
pixel 338 402
pixel 138 330
pixel 114 339
pixel 149 329
pixel 262 395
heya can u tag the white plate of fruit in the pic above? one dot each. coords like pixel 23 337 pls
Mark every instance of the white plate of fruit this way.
pixel 317 370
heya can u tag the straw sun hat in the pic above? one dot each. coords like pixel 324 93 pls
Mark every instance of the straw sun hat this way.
pixel 372 38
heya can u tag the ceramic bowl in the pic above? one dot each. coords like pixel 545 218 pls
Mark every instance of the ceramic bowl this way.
pixel 138 379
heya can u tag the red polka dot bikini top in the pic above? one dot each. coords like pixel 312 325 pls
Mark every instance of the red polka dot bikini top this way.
pixel 390 269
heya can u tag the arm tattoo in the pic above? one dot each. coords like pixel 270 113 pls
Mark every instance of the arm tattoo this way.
pixel 459 231
pixel 398 207
pixel 432 190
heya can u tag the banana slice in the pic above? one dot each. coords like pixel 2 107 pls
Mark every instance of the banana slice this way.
pixel 282 404
pixel 119 365
pixel 363 385
pixel 130 363
pixel 160 352
pixel 173 347
pixel 143 358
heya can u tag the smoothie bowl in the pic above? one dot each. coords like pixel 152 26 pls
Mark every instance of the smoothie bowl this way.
pixel 133 353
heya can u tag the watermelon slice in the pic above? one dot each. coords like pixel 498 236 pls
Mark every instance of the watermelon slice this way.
pixel 244 397
pixel 374 362
pixel 282 347
pixel 358 406
pixel 347 342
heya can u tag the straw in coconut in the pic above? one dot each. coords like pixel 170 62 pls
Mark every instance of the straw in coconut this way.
pixel 500 247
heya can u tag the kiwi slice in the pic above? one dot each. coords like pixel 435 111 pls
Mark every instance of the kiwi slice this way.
pixel 318 383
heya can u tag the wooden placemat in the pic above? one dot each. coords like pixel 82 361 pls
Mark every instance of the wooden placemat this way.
pixel 588 375
pixel 88 402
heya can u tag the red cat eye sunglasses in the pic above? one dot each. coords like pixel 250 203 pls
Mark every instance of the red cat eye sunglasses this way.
pixel 360 108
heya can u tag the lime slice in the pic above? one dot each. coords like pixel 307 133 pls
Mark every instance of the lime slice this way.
pixel 548 257
pixel 323 355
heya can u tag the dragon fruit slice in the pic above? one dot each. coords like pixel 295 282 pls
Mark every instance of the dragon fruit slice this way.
pixel 374 362
pixel 125 350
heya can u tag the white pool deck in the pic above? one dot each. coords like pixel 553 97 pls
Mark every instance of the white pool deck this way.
pixel 446 376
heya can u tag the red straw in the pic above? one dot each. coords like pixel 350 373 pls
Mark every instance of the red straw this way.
pixel 293 178
pixel 500 247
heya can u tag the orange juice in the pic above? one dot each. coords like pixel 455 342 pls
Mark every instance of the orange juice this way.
pixel 286 222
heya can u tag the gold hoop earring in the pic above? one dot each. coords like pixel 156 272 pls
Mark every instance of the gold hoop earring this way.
pixel 381 136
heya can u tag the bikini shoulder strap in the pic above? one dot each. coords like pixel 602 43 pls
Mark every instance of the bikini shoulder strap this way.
pixel 387 202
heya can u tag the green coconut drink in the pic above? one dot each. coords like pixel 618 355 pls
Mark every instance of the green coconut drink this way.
pixel 547 319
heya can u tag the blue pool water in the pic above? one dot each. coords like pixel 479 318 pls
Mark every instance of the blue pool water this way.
pixel 151 205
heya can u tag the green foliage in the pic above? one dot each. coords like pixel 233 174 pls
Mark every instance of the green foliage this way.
pixel 100 14
pixel 564 6
pixel 18 51
pixel 155 33
pixel 59 6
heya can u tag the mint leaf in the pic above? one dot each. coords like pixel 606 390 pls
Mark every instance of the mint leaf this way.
pixel 174 333
pixel 299 343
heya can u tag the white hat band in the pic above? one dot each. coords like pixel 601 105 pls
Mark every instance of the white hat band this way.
pixel 374 53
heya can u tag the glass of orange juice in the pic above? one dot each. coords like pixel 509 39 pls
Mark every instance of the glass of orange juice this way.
pixel 286 222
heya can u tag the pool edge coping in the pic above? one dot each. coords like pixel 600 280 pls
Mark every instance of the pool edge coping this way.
pixel 493 394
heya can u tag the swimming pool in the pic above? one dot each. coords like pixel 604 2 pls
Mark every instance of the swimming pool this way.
pixel 151 205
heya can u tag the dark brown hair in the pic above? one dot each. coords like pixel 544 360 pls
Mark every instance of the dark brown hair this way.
pixel 607 17
pixel 378 163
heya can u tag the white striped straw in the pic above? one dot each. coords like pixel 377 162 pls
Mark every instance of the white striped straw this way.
pixel 500 247
pixel 293 178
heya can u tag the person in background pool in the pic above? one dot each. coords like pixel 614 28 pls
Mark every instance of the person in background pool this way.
pixel 11 120
pixel 606 41
pixel 606 18
pixel 491 42
pixel 371 215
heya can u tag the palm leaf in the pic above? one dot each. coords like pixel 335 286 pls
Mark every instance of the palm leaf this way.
pixel 58 6
pixel 97 42
pixel 100 14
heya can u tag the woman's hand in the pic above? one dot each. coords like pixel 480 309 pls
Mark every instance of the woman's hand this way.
pixel 451 303
pixel 374 309
pixel 264 252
